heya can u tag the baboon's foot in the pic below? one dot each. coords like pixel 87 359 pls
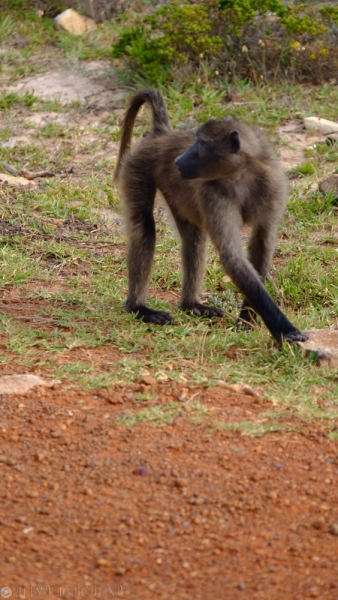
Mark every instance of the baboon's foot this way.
pixel 148 315
pixel 203 311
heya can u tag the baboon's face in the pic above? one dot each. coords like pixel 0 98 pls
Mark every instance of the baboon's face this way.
pixel 214 155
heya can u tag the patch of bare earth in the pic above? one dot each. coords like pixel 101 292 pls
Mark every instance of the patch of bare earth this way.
pixel 185 511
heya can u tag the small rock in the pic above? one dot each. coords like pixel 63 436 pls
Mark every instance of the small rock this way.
pixel 148 380
pixel 11 559
pixel 273 495
pixel 102 562
pixel 23 383
pixel 334 529
pixel 39 456
pixel 181 482
pixel 56 434
pixel 323 344
pixel 44 511
pixel 319 523
pixel 32 494
pixel 69 20
pixel 329 184
pixel 241 585
pixel 143 472
pixel 10 144
pixel 320 125
pixel 16 181
pixel 27 530
pixel 114 398
pixel 197 501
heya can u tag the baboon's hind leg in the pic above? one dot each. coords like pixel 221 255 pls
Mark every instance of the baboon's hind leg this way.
pixel 141 233
pixel 193 264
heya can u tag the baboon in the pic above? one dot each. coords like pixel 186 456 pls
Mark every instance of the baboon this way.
pixel 214 180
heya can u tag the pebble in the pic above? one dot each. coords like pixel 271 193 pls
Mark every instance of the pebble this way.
pixel 148 380
pixel 329 184
pixel 319 523
pixel 197 501
pixel 27 530
pixel 32 494
pixel 10 144
pixel 102 562
pixel 181 482
pixel 143 471
pixel 273 495
pixel 115 398
pixel 55 434
pixel 39 456
pixel 334 529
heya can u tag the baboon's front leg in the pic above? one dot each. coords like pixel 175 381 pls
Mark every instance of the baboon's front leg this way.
pixel 224 230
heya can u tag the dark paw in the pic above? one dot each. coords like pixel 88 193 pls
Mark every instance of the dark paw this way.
pixel 295 336
pixel 203 311
pixel 148 315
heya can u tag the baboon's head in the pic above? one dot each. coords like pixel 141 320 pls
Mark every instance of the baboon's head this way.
pixel 215 154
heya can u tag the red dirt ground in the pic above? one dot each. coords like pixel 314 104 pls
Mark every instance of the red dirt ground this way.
pixel 91 508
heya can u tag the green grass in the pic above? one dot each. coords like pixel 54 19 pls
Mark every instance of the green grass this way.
pixel 69 266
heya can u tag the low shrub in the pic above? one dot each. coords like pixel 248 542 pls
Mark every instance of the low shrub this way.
pixel 261 40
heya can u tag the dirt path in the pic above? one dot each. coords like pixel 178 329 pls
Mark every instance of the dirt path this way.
pixel 92 508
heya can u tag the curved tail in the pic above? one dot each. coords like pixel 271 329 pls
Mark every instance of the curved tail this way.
pixel 161 122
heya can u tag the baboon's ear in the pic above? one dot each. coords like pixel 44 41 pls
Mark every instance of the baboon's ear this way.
pixel 234 142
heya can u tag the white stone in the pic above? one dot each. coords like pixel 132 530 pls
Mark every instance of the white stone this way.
pixel 70 20
pixel 16 181
pixel 320 125
pixel 23 383
pixel 324 344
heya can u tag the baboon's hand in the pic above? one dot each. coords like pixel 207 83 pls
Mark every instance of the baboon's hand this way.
pixel 148 315
pixel 295 336
pixel 201 310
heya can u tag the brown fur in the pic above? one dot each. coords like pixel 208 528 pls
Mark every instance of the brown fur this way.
pixel 214 180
